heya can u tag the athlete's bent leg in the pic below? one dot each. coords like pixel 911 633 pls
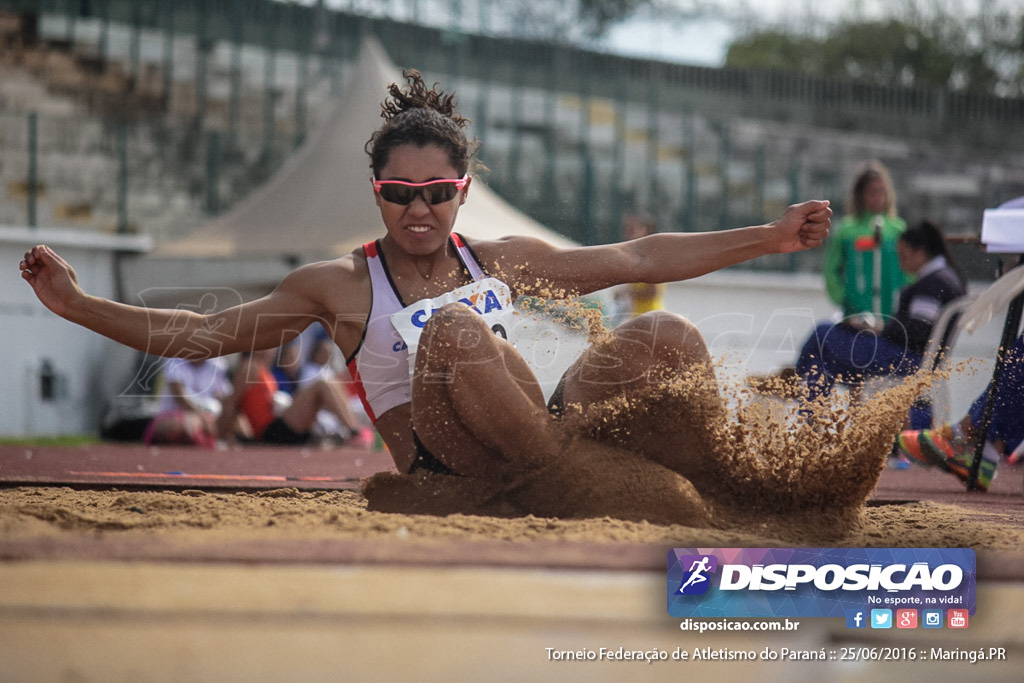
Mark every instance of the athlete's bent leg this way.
pixel 476 405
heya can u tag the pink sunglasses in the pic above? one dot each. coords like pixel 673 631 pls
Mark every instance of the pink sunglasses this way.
pixel 432 191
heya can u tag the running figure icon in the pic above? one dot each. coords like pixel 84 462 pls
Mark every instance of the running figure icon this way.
pixel 697 571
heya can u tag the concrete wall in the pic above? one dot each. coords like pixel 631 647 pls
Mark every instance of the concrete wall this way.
pixel 30 336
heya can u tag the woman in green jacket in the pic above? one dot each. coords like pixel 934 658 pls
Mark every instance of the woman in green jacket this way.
pixel 862 274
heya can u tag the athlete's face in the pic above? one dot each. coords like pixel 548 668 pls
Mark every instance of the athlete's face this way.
pixel 419 228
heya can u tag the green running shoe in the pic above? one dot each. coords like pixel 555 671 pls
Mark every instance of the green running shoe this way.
pixel 911 448
pixel 958 454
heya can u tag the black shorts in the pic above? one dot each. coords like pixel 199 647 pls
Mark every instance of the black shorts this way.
pixel 556 404
pixel 278 432
pixel 425 461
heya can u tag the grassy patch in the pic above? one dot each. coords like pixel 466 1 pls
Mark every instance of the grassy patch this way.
pixel 59 440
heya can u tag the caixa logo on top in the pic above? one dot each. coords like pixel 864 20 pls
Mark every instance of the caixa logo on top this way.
pixel 817 582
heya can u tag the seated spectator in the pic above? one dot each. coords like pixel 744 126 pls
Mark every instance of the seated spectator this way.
pixel 253 412
pixel 320 364
pixel 863 346
pixel 321 368
pixel 952 447
pixel 289 367
pixel 190 401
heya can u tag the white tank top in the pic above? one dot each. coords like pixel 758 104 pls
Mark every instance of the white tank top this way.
pixel 380 364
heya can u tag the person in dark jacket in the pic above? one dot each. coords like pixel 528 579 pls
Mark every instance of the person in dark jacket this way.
pixel 863 346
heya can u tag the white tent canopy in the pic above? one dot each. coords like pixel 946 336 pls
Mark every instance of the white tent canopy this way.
pixel 319 205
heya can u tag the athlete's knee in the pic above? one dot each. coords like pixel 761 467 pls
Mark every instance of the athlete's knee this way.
pixel 668 335
pixel 673 326
pixel 659 324
pixel 456 334
pixel 455 324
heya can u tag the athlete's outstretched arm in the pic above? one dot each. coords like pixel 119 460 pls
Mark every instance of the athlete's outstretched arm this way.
pixel 667 257
pixel 258 324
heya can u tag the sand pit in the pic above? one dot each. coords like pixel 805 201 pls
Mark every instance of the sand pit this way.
pixel 758 473
pixel 170 577
pixel 162 582
pixel 196 519
pixel 777 480
pixel 285 584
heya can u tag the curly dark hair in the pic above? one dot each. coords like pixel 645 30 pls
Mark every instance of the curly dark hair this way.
pixel 416 115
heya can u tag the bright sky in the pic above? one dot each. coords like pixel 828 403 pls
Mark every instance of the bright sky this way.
pixel 702 42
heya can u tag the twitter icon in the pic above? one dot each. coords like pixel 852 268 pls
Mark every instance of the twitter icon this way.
pixel 881 618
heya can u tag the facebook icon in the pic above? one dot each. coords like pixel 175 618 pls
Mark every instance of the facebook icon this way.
pixel 855 618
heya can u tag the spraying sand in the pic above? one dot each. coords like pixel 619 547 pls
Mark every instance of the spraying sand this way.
pixel 706 465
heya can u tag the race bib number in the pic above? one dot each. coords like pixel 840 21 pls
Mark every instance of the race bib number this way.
pixel 548 344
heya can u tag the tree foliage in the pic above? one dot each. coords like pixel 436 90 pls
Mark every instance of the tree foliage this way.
pixel 983 53
pixel 598 15
pixel 573 19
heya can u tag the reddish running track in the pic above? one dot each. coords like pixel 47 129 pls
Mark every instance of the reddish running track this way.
pixel 175 467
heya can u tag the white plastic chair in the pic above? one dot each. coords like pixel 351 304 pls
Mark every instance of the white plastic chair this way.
pixel 994 299
pixel 968 313
pixel 938 353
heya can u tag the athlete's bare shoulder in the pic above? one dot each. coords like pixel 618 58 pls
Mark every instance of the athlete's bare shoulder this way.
pixel 511 252
pixel 512 259
pixel 345 272
pixel 510 246
pixel 340 286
